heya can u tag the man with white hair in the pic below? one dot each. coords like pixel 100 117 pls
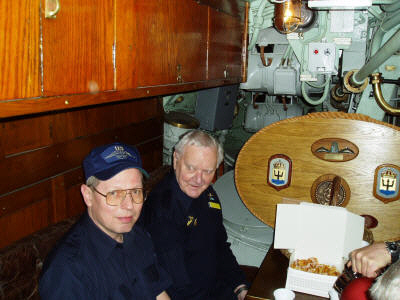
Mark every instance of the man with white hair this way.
pixel 183 215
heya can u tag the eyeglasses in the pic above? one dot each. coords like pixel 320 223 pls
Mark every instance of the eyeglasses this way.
pixel 115 198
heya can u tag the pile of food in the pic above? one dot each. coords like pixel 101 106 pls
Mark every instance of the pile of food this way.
pixel 311 265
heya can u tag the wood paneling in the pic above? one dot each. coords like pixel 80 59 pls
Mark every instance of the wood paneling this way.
pixel 31 106
pixel 144 53
pixel 35 132
pixel 103 51
pixel 167 39
pixel 225 46
pixel 17 200
pixel 41 172
pixel 78 48
pixel 190 21
pixel 19 48
pixel 29 219
pixel 49 161
pixel 234 8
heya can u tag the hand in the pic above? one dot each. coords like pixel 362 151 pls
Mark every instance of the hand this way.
pixel 243 293
pixel 370 259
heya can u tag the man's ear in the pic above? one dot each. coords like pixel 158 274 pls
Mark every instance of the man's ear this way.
pixel 175 158
pixel 87 195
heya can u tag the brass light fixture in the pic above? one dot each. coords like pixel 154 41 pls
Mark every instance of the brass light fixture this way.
pixel 287 16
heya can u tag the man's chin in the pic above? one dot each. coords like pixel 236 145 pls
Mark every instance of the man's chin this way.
pixel 194 193
pixel 125 228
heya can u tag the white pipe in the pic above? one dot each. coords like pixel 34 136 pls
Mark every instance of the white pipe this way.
pixel 323 97
pixel 384 1
pixel 258 23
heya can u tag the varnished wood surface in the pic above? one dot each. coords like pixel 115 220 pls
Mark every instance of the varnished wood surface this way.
pixel 41 157
pixel 19 48
pixel 19 107
pixel 78 48
pixel 167 43
pixel 233 8
pixel 271 276
pixel 225 47
pixel 102 51
pixel 378 143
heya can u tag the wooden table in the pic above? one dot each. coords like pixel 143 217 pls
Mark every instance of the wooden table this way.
pixel 271 276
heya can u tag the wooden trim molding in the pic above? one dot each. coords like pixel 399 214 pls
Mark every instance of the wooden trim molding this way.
pixel 18 107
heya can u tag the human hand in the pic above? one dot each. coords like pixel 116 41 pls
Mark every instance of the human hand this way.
pixel 370 259
pixel 242 295
pixel 242 289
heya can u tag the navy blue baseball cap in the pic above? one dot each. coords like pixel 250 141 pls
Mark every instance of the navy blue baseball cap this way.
pixel 107 161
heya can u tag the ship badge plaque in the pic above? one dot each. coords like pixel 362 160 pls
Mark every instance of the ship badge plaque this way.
pixel 386 183
pixel 279 171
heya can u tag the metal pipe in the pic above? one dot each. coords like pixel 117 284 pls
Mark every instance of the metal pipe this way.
pixel 245 41
pixel 391 7
pixel 387 24
pixel 387 50
pixel 384 1
pixel 376 87
pixel 377 13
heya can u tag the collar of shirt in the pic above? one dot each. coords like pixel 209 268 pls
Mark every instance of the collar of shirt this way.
pixel 102 243
pixel 184 200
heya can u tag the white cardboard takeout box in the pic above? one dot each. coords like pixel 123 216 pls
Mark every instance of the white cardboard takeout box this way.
pixel 328 233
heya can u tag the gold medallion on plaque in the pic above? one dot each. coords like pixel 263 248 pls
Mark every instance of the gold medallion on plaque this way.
pixel 330 189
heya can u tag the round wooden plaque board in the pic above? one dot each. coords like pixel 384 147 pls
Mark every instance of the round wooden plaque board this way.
pixel 378 143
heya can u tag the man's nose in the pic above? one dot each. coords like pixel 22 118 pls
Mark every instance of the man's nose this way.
pixel 199 177
pixel 127 202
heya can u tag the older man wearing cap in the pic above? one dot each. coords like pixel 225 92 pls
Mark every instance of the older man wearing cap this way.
pixel 104 256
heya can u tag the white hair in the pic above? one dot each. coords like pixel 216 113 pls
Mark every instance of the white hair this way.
pixel 92 181
pixel 387 286
pixel 199 138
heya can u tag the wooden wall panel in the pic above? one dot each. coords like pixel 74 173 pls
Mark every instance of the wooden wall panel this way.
pixel 29 219
pixel 17 200
pixel 167 39
pixel 190 27
pixel 25 134
pixel 234 8
pixel 78 48
pixel 145 52
pixel 225 46
pixel 41 175
pixel 19 48
pixel 103 51
pixel 30 167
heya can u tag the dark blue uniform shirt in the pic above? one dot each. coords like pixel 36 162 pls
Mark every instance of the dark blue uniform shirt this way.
pixel 191 242
pixel 88 264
